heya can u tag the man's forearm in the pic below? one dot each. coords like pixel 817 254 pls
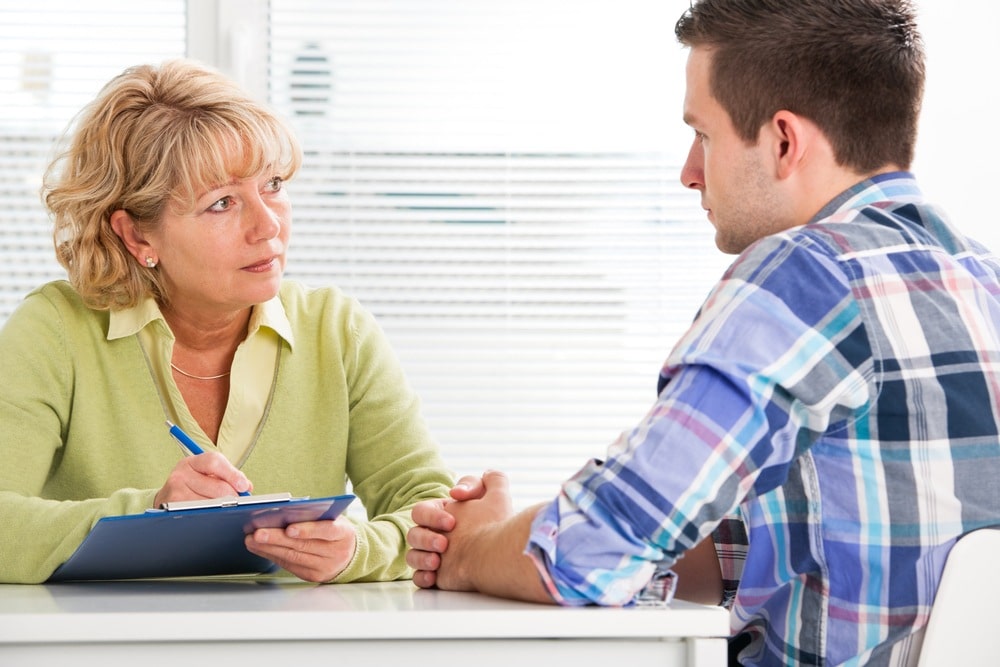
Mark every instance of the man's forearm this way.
pixel 496 563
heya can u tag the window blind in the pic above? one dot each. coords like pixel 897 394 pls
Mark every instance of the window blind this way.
pixel 496 180
pixel 54 57
pixel 499 184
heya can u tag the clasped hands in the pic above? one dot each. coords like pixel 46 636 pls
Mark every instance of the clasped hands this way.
pixel 448 531
pixel 314 551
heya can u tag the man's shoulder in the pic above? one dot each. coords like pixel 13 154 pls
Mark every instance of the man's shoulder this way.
pixel 791 251
pixel 837 239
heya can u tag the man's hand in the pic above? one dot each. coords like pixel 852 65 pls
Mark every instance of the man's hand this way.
pixel 473 541
pixel 428 538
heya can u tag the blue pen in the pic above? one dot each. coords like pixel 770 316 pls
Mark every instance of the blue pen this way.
pixel 190 444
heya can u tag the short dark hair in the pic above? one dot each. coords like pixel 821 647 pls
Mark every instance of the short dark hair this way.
pixel 853 67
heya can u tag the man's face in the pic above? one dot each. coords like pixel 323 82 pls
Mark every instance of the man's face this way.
pixel 734 178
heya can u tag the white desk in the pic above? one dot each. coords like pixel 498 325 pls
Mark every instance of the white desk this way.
pixel 243 623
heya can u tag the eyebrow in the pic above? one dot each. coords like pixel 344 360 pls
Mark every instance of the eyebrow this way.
pixel 219 186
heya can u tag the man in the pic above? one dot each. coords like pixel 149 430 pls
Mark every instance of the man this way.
pixel 838 393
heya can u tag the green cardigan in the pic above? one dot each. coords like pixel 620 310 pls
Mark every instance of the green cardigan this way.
pixel 82 432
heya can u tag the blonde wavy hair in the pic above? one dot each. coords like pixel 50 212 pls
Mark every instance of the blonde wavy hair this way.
pixel 154 137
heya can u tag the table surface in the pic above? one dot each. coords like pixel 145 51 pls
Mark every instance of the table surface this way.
pixel 231 609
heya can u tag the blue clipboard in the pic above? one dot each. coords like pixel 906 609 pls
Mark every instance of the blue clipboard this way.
pixel 193 539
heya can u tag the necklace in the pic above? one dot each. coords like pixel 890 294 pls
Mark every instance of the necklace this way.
pixel 199 377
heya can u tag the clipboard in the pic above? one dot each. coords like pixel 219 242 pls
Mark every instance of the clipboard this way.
pixel 190 538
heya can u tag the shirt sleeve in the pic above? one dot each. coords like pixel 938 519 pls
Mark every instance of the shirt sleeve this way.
pixel 730 538
pixel 777 353
pixel 393 462
pixel 38 533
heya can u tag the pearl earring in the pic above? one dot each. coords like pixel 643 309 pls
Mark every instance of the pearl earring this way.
pixel 150 263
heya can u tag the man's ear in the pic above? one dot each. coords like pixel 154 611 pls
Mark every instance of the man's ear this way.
pixel 790 136
pixel 134 240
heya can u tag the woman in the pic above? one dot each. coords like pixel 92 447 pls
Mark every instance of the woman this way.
pixel 173 223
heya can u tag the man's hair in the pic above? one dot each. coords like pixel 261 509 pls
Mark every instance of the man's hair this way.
pixel 152 140
pixel 853 67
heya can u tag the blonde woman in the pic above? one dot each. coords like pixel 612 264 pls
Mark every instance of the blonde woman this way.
pixel 172 221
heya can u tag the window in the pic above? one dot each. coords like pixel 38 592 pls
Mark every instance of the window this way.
pixel 499 183
pixel 54 57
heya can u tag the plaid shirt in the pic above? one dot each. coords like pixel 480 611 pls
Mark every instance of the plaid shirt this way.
pixel 840 391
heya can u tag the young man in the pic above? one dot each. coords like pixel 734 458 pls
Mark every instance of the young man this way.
pixel 838 393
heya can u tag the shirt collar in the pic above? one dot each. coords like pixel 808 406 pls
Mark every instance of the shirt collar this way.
pixel 271 314
pixel 895 187
pixel 129 321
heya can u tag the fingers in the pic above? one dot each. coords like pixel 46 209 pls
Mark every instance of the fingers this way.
pixel 423 554
pixel 494 480
pixel 424 539
pixel 469 487
pixel 307 536
pixel 432 517
pixel 306 565
pixel 431 514
pixel 329 531
pixel 214 464
pixel 423 561
pixel 312 550
pixel 429 538
pixel 425 579
pixel 207 475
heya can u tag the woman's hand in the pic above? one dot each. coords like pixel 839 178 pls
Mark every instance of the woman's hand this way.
pixel 207 475
pixel 314 551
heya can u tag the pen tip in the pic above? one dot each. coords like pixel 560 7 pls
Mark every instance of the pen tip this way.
pixel 170 424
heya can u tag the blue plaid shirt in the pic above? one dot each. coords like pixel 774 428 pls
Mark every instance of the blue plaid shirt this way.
pixel 839 392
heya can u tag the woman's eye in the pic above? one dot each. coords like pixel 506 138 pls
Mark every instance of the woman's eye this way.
pixel 221 205
pixel 274 184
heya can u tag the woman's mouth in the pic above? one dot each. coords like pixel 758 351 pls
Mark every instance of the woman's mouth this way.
pixel 263 266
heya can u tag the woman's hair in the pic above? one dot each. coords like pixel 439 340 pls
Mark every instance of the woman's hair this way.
pixel 155 137
pixel 853 67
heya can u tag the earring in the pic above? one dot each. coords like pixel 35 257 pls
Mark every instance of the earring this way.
pixel 150 263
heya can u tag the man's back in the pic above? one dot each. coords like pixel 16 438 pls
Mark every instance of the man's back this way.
pixel 839 386
pixel 879 380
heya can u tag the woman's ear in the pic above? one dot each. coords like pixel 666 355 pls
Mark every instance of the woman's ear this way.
pixel 134 240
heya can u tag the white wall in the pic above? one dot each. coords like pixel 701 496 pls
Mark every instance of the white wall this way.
pixel 959 143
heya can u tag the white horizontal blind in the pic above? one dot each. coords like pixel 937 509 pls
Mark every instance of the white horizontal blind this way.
pixel 54 57
pixel 496 181
pixel 499 183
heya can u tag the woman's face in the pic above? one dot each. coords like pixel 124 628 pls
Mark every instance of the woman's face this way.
pixel 229 252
